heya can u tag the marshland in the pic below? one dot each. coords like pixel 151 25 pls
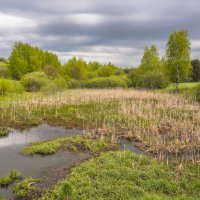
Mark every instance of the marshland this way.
pixel 72 128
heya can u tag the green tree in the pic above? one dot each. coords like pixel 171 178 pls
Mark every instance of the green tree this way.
pixel 76 68
pixel 26 59
pixel 150 59
pixel 195 70
pixel 178 57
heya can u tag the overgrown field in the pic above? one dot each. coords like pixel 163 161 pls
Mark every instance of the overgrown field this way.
pixel 160 123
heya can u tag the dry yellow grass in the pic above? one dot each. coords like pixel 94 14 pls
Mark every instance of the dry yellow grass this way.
pixel 160 123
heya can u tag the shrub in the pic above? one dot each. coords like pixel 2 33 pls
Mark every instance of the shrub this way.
pixel 4 72
pixel 33 82
pixel 108 82
pixel 58 84
pixel 135 77
pixel 51 71
pixel 73 84
pixel 10 86
pixel 154 80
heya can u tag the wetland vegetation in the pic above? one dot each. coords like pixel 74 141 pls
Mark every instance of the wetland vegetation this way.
pixel 65 123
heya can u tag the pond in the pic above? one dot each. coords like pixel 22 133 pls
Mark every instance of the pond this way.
pixel 35 166
pixel 10 157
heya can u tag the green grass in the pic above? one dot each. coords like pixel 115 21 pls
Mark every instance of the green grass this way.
pixel 183 86
pixel 79 143
pixel 10 178
pixel 127 176
pixel 25 187
pixel 3 64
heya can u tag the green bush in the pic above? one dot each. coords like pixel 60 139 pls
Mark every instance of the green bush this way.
pixel 73 84
pixel 58 84
pixel 154 80
pixel 10 86
pixel 4 72
pixel 108 82
pixel 34 81
pixel 51 71
pixel 149 79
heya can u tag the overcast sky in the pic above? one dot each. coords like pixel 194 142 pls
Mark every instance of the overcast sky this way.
pixel 102 30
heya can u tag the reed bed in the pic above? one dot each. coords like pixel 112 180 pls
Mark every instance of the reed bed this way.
pixel 161 123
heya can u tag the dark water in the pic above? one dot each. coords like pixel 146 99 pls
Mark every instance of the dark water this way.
pixel 127 145
pixel 10 157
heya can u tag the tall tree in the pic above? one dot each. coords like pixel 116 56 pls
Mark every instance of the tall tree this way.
pixel 178 57
pixel 195 70
pixel 150 59
pixel 25 59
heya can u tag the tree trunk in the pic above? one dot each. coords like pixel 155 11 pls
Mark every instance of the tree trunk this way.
pixel 177 82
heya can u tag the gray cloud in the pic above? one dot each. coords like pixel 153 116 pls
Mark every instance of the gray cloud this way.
pixel 97 29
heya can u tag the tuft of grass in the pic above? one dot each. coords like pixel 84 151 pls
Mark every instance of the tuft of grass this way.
pixel 79 143
pixel 10 178
pixel 4 131
pixel 25 188
pixel 125 175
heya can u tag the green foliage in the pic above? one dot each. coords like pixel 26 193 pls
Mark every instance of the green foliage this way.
pixel 135 77
pixel 10 86
pixel 195 70
pixel 73 84
pixel 4 131
pixel 151 73
pixel 154 80
pixel 4 72
pixel 26 59
pixel 51 71
pixel 10 178
pixel 150 60
pixel 76 68
pixel 125 175
pixel 55 85
pixel 34 81
pixel 108 82
pixel 25 188
pixel 178 56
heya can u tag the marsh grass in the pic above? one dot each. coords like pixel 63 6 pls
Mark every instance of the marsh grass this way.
pixel 75 144
pixel 161 123
pixel 25 188
pixel 125 175
pixel 10 178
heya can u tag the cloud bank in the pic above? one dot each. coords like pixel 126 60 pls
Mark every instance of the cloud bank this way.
pixel 115 31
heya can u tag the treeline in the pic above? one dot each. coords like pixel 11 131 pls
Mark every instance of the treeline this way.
pixel 26 59
pixel 37 70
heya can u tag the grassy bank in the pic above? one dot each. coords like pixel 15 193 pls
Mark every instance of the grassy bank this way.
pixel 124 175
pixel 75 144
pixel 160 123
